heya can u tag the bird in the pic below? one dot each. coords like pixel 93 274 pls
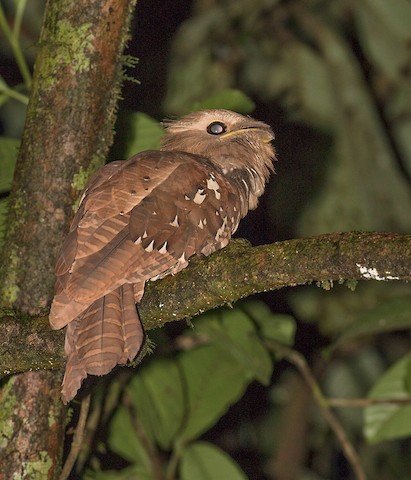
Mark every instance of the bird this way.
pixel 142 219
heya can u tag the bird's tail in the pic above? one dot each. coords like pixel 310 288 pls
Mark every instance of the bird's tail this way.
pixel 108 333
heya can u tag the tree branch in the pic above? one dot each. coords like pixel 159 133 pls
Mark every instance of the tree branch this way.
pixel 226 276
pixel 298 360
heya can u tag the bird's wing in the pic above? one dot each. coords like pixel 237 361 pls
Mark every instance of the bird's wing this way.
pixel 140 219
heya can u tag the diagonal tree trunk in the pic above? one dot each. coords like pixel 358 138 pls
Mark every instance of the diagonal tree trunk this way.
pixel 68 131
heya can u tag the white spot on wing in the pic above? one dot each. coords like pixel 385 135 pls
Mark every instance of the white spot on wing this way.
pixel 221 230
pixel 138 241
pixel 150 247
pixel 199 197
pixel 213 185
pixel 163 249
pixel 175 223
pixel 72 267
pixel 145 234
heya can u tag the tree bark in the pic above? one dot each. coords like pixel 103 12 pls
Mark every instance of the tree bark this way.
pixel 68 131
pixel 235 272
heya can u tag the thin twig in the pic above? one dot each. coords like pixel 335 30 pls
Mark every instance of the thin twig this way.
pixel 152 455
pixel 298 360
pixel 16 47
pixel 12 93
pixel 366 402
pixel 20 8
pixel 77 439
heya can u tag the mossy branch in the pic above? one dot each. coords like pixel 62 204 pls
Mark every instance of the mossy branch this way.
pixel 226 276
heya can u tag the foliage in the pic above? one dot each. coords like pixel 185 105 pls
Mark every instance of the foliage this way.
pixel 174 400
pixel 385 421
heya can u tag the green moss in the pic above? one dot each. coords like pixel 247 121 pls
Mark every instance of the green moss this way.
pixel 80 179
pixel 70 46
pixel 325 284
pixel 352 284
pixel 7 408
pixel 10 289
pixel 51 419
pixel 38 468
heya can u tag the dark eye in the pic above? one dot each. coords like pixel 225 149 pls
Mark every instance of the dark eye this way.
pixel 216 128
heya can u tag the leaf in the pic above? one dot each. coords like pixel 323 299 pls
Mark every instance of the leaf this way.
pixel 234 333
pixel 213 382
pixel 389 421
pixel 384 32
pixel 390 315
pixel 394 16
pixel 278 327
pixel 230 99
pixel 143 132
pixel 399 115
pixel 311 99
pixel 9 148
pixel 124 441
pixel 157 392
pixel 204 461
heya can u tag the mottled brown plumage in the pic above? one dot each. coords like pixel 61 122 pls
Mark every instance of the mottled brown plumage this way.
pixel 142 219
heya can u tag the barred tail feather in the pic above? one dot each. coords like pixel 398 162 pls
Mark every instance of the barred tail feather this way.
pixel 108 333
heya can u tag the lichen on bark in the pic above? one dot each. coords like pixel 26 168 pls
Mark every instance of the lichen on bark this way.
pixel 68 131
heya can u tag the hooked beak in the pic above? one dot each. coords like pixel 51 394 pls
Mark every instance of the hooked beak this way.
pixel 264 132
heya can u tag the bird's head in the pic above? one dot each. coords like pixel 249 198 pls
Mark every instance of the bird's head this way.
pixel 228 139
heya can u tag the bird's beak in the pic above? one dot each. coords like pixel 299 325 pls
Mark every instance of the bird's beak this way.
pixel 264 133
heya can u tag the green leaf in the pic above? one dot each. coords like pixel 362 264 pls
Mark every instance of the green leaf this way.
pixel 203 461
pixel 312 98
pixel 230 99
pixel 389 421
pixel 157 392
pixel 124 441
pixel 384 33
pixel 143 132
pixel 390 315
pixel 234 333
pixel 280 328
pixel 213 382
pixel 9 148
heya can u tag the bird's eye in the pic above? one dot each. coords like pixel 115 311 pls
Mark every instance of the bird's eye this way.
pixel 217 128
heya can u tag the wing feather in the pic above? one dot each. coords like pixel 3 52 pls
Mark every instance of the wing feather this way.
pixel 141 219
